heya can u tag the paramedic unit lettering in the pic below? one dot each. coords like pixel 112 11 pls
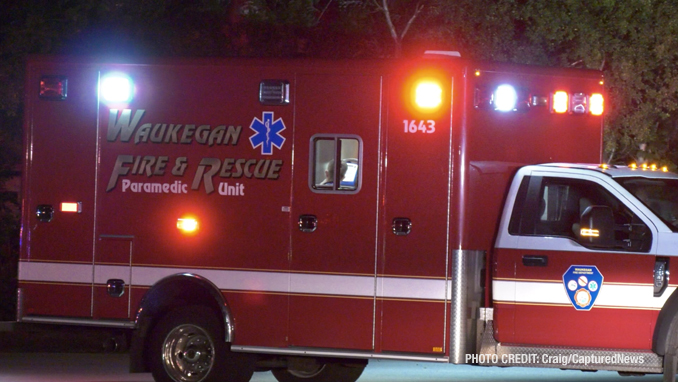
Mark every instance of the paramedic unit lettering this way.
pixel 305 216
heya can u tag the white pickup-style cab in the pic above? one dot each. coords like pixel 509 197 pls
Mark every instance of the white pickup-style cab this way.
pixel 582 265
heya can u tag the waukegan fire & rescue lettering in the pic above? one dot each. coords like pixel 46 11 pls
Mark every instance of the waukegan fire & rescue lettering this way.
pixel 123 125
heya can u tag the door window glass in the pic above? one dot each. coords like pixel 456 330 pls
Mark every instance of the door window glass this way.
pixel 557 205
pixel 335 163
pixel 659 195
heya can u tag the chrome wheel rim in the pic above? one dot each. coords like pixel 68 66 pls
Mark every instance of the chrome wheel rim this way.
pixel 188 353
pixel 307 373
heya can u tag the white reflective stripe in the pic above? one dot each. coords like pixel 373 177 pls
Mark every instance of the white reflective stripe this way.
pixel 640 296
pixel 223 279
pixel 103 273
pixel 55 272
pixel 503 290
pixel 612 295
pixel 260 281
pixel 332 284
pixel 426 289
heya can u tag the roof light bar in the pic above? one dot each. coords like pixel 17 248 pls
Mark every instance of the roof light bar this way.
pixel 560 102
pixel 596 104
pixel 579 103
pixel 505 98
pixel 648 167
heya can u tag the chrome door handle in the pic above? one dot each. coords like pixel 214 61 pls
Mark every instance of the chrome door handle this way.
pixel 401 226
pixel 535 260
pixel 308 223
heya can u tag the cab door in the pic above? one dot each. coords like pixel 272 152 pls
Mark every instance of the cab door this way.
pixel 55 271
pixel 334 211
pixel 553 287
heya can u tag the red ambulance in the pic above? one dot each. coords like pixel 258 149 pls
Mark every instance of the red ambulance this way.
pixel 305 216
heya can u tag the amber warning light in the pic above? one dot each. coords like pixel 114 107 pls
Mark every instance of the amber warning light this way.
pixel 428 95
pixel 596 104
pixel 187 225
pixel 590 232
pixel 71 207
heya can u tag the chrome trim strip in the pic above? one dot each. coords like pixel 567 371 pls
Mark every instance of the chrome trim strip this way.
pixel 337 353
pixel 377 214
pixel 467 294
pixel 130 237
pixel 79 321
pixel 19 304
pixel 458 308
pixel 95 207
pixel 450 176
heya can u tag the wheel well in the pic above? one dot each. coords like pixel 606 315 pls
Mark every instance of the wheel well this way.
pixel 666 316
pixel 166 295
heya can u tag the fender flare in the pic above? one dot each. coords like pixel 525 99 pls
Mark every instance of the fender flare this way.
pixel 163 296
pixel 662 328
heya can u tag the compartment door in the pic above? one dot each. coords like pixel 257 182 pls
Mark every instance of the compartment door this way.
pixel 55 271
pixel 413 289
pixel 334 213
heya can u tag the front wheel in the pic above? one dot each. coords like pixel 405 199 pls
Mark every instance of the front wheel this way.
pixel 323 372
pixel 187 345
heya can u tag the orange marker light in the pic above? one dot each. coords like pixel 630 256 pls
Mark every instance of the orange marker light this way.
pixel 596 104
pixel 71 207
pixel 589 232
pixel 428 95
pixel 187 225
pixel 560 102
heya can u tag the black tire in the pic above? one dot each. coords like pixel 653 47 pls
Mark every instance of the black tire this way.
pixel 670 363
pixel 326 372
pixel 671 352
pixel 187 345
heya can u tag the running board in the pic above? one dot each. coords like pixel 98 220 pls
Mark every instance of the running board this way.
pixel 79 321
pixel 336 353
pixel 493 353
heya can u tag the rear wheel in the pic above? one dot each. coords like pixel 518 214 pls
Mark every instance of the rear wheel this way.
pixel 187 345
pixel 322 372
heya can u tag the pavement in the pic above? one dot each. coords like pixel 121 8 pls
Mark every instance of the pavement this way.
pixel 53 353
pixel 33 338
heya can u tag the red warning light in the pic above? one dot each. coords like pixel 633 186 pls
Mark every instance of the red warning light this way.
pixel 53 87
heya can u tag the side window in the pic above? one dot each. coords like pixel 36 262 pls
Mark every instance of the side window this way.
pixel 335 163
pixel 557 204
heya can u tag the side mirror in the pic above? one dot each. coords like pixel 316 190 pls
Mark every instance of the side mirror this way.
pixel 597 227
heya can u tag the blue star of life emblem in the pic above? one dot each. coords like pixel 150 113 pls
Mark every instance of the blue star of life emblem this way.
pixel 267 133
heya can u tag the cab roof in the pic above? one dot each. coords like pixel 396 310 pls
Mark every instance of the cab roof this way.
pixel 616 171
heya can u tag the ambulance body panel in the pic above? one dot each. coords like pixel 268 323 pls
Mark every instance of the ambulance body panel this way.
pixel 327 210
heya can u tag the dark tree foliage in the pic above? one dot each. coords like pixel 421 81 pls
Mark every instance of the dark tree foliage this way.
pixel 634 42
